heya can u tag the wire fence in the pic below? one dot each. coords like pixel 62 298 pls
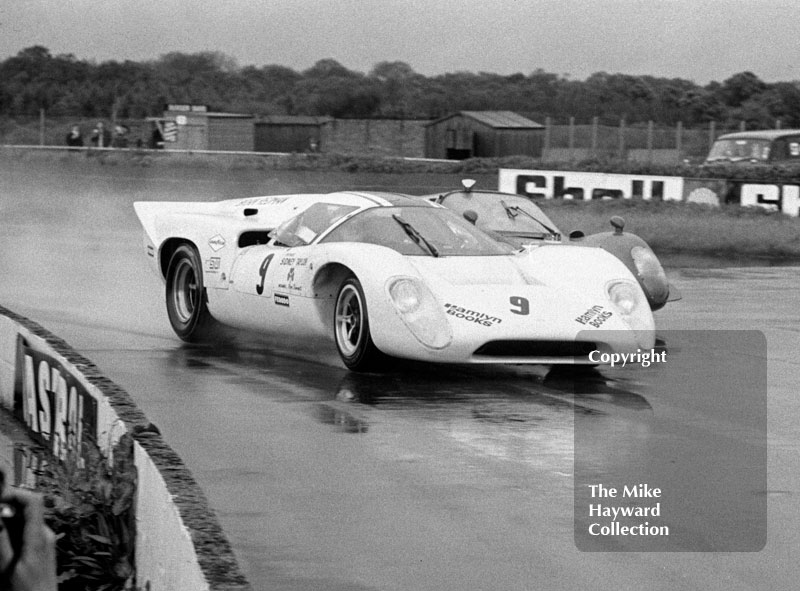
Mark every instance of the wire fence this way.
pixel 640 141
pixel 563 140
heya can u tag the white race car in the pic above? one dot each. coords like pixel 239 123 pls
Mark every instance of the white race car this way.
pixel 388 275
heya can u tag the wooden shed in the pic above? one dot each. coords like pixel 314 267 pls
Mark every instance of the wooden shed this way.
pixel 468 134
pixel 192 127
pixel 289 133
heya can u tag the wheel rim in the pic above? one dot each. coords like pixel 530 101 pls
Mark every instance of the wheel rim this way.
pixel 349 320
pixel 185 292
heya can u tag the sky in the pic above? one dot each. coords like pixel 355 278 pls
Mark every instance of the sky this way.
pixel 698 40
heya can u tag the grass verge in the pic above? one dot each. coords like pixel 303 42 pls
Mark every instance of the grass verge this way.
pixel 728 232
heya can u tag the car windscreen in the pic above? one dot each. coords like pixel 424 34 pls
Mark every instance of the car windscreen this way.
pixel 417 231
pixel 305 227
pixel 735 150
pixel 505 214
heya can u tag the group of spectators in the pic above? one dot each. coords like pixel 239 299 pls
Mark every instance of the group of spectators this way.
pixel 101 137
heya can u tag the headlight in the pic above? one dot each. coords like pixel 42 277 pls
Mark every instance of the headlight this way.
pixel 625 296
pixel 405 296
pixel 420 311
pixel 628 299
pixel 651 273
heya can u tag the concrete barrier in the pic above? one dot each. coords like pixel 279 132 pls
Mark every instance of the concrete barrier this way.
pixel 61 397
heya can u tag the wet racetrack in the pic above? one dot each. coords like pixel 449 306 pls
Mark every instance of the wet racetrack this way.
pixel 423 478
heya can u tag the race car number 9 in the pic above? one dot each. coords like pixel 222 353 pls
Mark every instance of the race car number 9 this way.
pixel 520 305
pixel 262 273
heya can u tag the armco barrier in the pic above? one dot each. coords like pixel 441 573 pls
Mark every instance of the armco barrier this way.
pixel 179 543
pixel 561 184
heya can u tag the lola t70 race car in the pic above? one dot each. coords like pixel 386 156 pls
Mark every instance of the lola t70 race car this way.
pixel 388 276
pixel 519 221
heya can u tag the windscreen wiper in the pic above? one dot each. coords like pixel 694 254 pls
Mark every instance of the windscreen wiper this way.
pixel 414 234
pixel 514 210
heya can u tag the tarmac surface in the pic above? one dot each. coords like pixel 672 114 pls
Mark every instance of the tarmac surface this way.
pixel 437 478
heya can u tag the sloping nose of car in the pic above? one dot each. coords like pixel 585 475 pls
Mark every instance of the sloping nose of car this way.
pixel 497 270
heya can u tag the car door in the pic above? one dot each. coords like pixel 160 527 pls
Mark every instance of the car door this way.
pixel 251 302
pixel 266 287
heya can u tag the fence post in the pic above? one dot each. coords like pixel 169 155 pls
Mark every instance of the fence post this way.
pixel 778 123
pixel 679 139
pixel 650 141
pixel 548 123
pixel 712 133
pixel 41 127
pixel 401 136
pixel 595 126
pixel 572 139
pixel 742 126
pixel 622 138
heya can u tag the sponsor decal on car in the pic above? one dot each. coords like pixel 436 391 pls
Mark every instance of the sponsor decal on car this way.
pixel 262 201
pixel 281 299
pixel 211 265
pixel 290 284
pixel 216 243
pixel 480 318
pixel 594 316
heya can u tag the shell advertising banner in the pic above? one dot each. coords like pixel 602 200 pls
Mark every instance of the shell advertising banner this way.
pixel 551 184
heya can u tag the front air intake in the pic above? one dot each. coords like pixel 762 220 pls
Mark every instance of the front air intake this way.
pixel 531 348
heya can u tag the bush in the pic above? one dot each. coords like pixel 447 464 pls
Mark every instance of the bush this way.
pixel 90 508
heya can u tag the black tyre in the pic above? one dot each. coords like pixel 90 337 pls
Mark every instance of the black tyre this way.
pixel 186 296
pixel 351 329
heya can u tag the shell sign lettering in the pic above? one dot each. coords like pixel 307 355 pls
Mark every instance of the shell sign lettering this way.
pixel 550 184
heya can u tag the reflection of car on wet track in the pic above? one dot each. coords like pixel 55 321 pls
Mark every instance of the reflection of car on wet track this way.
pixel 519 221
pixel 388 275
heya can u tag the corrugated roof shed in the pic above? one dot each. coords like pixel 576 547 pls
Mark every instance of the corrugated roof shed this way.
pixel 496 119
pixel 295 119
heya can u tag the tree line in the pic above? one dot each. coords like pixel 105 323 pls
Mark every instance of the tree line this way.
pixel 64 85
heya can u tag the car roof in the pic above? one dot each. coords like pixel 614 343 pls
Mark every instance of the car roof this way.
pixel 765 134
pixel 387 199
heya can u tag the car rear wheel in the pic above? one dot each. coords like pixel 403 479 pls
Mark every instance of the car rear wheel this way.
pixel 351 328
pixel 186 295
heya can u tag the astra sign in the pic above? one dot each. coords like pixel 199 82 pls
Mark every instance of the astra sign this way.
pixel 58 411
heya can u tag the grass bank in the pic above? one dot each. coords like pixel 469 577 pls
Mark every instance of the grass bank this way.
pixel 731 233
pixel 325 162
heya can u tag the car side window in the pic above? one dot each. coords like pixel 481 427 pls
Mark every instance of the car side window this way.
pixel 792 147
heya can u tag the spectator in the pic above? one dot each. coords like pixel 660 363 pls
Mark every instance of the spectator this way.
pixel 101 138
pixel 120 136
pixel 75 137
pixel 156 138
pixel 27 545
